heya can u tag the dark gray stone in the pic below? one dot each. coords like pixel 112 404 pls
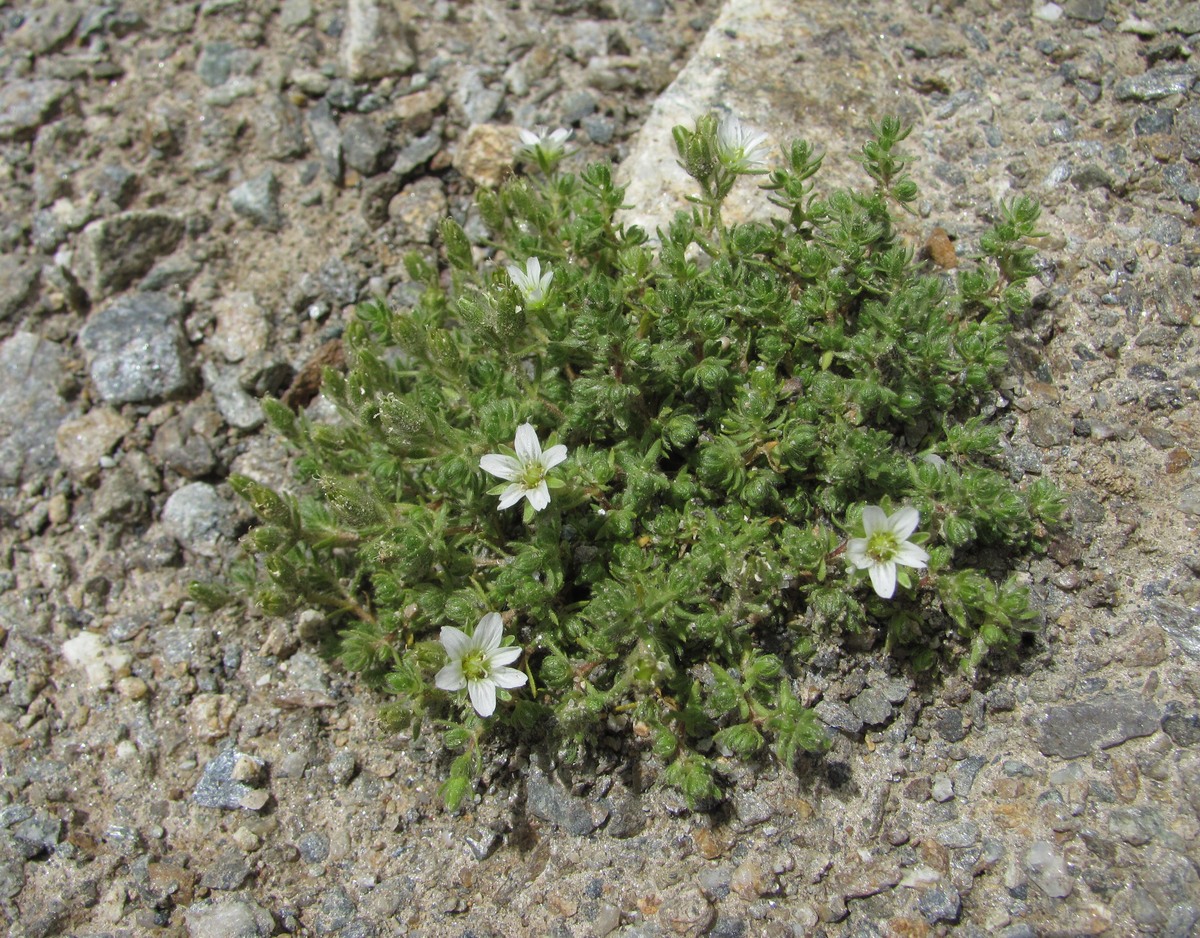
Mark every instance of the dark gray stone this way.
pixel 416 154
pixel 41 831
pixel 119 498
pixel 26 105
pixel 960 834
pixel 950 725
pixel 137 351
pixel 577 106
pixel 313 847
pixel 364 145
pixel 551 803
pixel 1181 622
pixel 31 407
pixel 215 64
pixel 227 872
pixel 1090 11
pixel 46 28
pixel 18 284
pixel 217 787
pixel 1187 125
pixel 257 199
pixel 333 913
pixel 600 129
pixel 940 903
pixel 836 714
pixel 328 138
pixel 280 126
pixel 751 809
pixel 1077 729
pixel 114 252
pixel 626 818
pixel 114 183
pixel 872 707
pixel 1157 83
pixel 1181 726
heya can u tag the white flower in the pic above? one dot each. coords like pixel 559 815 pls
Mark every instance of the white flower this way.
pixel 885 545
pixel 527 471
pixel 550 144
pixel 477 662
pixel 532 283
pixel 739 148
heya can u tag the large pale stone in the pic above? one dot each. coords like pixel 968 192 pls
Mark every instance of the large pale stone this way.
pixel 376 42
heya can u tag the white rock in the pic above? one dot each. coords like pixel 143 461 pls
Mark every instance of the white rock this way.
pixel 97 659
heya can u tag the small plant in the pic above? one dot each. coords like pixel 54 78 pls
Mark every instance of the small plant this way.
pixel 595 483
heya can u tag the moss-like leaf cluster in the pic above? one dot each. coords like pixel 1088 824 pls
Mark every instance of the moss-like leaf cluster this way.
pixel 731 400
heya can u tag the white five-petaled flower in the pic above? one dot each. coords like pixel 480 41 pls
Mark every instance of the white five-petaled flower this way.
pixel 532 283
pixel 478 663
pixel 526 472
pixel 740 149
pixel 550 143
pixel 885 545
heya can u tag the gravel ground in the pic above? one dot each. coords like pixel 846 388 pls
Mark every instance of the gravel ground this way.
pixel 192 198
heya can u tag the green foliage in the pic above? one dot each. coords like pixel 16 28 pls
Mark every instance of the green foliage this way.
pixel 730 402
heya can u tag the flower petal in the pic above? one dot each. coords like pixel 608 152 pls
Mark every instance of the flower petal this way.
pixel 502 656
pixel 856 553
pixel 527 446
pixel 911 555
pixel 513 494
pixel 489 631
pixel 483 697
pixel 553 456
pixel 504 467
pixel 529 138
pixel 904 522
pixel 539 497
pixel 873 519
pixel 451 676
pixel 883 578
pixel 533 270
pixel 509 677
pixel 456 642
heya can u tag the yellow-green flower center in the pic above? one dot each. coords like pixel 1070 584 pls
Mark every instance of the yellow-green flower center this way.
pixel 882 545
pixel 532 475
pixel 474 665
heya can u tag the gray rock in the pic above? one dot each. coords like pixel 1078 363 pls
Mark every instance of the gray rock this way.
pixel 295 13
pixel 416 154
pixel 950 725
pixel 137 351
pixel 218 788
pixel 478 101
pixel 1136 825
pixel 119 498
pixel 1166 879
pixel 600 129
pixel 376 41
pixel 18 284
pixel 626 818
pixel 328 138
pixel 364 145
pixel 114 252
pixel 114 183
pixel 280 126
pixel 26 105
pixel 1108 720
pixel 342 767
pixel 227 872
pixel 333 913
pixel 836 714
pixel 31 407
pixel 240 410
pixel 940 903
pixel 41 831
pixel 377 195
pixel 313 847
pixel 200 519
pixel 46 27
pixel 872 707
pixel 1090 11
pixel 1156 83
pixel 1187 125
pixel 1182 727
pixel 960 834
pixel 551 803
pixel 257 199
pixel 751 809
pixel 228 918
pixel 577 106
pixel 215 64
pixel 1048 870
